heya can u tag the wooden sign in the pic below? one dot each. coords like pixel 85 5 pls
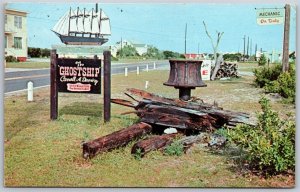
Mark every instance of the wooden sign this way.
pixel 206 70
pixel 79 75
pixel 269 16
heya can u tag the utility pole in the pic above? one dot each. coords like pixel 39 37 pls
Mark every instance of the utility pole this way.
pixel 185 38
pixel 121 48
pixel 286 38
pixel 244 48
pixel 255 51
pixel 248 47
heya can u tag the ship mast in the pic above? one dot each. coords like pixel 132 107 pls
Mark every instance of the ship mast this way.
pixel 77 20
pixel 92 22
pixel 83 22
pixel 99 22
pixel 69 21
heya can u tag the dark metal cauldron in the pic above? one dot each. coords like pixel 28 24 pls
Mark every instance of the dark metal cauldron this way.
pixel 185 75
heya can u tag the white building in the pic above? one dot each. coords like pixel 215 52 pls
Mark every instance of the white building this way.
pixel 15 29
pixel 140 47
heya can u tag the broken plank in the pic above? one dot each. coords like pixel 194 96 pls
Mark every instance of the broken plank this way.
pixel 153 143
pixel 168 101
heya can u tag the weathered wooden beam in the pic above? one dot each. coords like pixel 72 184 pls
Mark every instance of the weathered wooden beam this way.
pixel 123 102
pixel 167 112
pixel 153 143
pixel 171 116
pixel 168 101
pixel 116 139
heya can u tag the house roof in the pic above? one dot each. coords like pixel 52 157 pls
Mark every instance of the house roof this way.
pixel 16 12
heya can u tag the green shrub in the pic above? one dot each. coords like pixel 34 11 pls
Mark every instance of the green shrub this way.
pixel 270 145
pixel 138 154
pixel 114 58
pixel 262 60
pixel 285 84
pixel 265 75
pixel 11 58
pixel 176 148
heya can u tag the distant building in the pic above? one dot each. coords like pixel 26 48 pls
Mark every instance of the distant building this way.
pixel 114 50
pixel 140 47
pixel 194 56
pixel 15 40
pixel 273 56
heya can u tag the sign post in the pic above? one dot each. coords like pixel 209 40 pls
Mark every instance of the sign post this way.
pixel 107 85
pixel 286 38
pixel 53 87
pixel 73 75
pixel 278 16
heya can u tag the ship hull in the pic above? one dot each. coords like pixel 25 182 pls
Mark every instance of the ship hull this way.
pixel 71 40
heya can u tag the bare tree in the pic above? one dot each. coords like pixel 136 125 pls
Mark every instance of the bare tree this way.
pixel 215 49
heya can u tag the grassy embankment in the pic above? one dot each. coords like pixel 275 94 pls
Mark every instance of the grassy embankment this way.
pixel 40 152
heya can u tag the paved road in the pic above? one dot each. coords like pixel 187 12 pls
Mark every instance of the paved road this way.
pixel 16 80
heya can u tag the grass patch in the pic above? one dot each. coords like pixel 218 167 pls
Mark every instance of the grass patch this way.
pixel 37 65
pixel 44 153
pixel 82 108
pixel 29 65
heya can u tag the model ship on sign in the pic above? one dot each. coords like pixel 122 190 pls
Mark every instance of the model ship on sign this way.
pixel 82 27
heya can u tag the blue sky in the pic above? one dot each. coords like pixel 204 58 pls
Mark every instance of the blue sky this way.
pixel 163 25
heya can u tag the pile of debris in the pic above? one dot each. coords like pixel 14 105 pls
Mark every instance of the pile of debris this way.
pixel 157 114
pixel 227 69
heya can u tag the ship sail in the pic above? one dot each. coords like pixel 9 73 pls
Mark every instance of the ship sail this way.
pixel 72 23
pixel 95 23
pixel 104 24
pixel 87 22
pixel 80 26
pixel 60 27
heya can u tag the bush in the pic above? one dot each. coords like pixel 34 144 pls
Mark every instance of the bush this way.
pixel 232 56
pixel 127 51
pixel 270 145
pixel 262 60
pixel 11 58
pixel 176 148
pixel 265 75
pixel 34 52
pixel 114 58
pixel 284 84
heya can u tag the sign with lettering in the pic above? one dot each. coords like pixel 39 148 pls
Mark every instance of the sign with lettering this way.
pixel 206 69
pixel 270 16
pixel 79 75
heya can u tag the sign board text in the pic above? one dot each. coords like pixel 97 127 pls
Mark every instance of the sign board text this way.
pixel 206 70
pixel 269 16
pixel 79 75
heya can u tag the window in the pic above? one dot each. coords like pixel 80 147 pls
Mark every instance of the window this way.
pixel 18 22
pixel 5 19
pixel 5 41
pixel 18 42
